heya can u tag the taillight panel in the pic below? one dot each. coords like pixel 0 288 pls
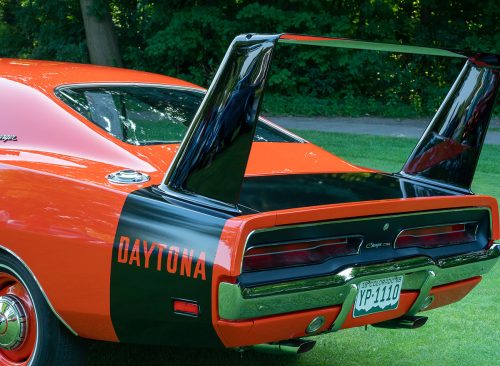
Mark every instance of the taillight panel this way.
pixel 437 236
pixel 316 249
pixel 296 253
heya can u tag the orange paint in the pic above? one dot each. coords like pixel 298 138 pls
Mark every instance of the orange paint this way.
pixel 57 235
pixel 147 251
pixel 453 292
pixel 186 262
pixel 293 325
pixel 173 258
pixel 123 249
pixel 298 37
pixel 275 158
pixel 167 258
pixel 272 329
pixel 199 271
pixel 349 210
pixel 134 254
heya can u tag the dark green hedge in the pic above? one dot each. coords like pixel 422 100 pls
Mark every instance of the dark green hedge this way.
pixel 187 39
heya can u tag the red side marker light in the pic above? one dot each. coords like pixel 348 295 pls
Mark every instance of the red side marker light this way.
pixel 186 307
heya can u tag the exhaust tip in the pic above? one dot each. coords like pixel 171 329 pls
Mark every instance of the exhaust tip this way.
pixel 306 346
pixel 419 321
pixel 295 346
pixel 407 322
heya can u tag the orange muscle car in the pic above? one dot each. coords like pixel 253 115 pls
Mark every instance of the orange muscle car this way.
pixel 141 208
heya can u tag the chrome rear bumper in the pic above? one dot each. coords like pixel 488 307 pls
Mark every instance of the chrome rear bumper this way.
pixel 420 274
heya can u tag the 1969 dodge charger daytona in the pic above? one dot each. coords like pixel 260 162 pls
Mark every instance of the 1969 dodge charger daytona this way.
pixel 140 208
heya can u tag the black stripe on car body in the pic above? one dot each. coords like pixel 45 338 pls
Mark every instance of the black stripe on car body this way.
pixel 145 281
pixel 156 230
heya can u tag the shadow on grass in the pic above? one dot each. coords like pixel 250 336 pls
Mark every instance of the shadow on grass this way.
pixel 326 352
pixel 109 354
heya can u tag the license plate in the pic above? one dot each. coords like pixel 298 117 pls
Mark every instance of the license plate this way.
pixel 378 295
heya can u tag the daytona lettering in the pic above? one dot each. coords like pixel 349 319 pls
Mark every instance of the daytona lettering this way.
pixel 170 259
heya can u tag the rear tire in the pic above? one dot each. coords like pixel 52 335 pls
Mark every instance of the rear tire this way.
pixel 35 336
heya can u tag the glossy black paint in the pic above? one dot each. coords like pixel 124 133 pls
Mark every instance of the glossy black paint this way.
pixel 212 159
pixel 210 164
pixel 141 298
pixel 278 192
pixel 449 150
pixel 372 229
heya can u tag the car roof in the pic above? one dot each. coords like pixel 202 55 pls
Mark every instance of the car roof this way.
pixel 47 75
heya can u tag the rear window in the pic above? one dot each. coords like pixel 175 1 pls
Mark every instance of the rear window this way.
pixel 146 115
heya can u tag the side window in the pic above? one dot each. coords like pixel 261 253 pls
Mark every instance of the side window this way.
pixel 138 115
pixel 145 115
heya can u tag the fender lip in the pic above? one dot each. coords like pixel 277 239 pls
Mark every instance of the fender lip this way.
pixel 54 311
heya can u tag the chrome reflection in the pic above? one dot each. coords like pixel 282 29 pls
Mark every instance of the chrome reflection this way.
pixel 128 176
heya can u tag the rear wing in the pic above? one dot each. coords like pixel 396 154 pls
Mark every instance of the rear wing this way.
pixel 210 164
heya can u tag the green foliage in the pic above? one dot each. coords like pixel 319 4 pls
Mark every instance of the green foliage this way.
pixel 349 105
pixel 187 39
pixel 38 29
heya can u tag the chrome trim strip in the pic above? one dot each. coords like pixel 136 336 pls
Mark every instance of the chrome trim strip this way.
pixel 434 183
pixel 421 273
pixel 424 292
pixel 283 130
pixel 104 84
pixel 351 273
pixel 39 286
pixel 346 308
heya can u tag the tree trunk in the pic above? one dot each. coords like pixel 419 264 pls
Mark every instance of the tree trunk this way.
pixel 101 38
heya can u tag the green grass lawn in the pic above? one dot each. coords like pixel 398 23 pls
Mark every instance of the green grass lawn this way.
pixel 466 333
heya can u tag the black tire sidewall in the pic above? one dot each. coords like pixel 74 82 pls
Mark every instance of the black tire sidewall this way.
pixel 52 338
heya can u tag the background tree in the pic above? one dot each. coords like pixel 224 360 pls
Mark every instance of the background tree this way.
pixel 188 39
pixel 100 34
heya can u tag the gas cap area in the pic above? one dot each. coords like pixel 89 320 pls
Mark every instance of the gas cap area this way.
pixel 128 176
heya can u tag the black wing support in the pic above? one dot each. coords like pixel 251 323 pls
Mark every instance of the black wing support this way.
pixel 448 151
pixel 210 164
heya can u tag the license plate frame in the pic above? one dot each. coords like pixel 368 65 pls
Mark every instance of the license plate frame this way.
pixel 377 295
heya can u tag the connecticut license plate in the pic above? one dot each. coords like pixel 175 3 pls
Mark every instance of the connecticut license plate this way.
pixel 378 295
